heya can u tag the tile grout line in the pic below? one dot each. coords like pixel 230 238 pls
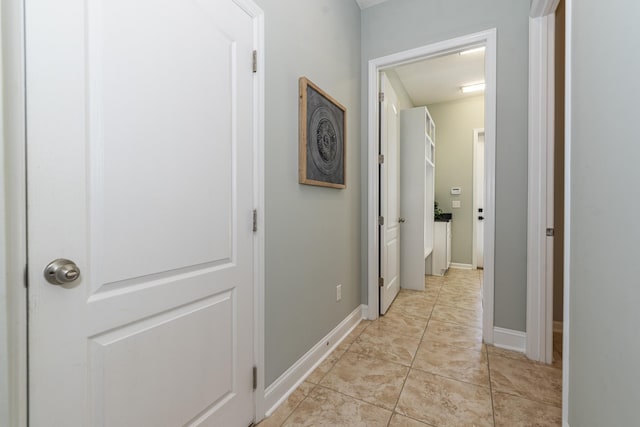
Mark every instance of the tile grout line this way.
pixel 412 360
pixel 451 378
pixel 318 384
pixel 299 403
pixel 356 398
pixel 493 406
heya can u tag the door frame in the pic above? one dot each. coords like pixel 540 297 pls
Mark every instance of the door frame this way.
pixel 474 255
pixel 13 195
pixel 541 127
pixel 540 180
pixel 14 242
pixel 488 38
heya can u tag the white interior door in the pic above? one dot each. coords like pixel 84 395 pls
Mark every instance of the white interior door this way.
pixel 140 153
pixel 478 197
pixel 390 194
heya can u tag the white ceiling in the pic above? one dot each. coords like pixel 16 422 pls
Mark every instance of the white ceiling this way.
pixel 368 3
pixel 439 79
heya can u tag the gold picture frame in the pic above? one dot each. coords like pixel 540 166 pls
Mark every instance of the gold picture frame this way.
pixel 322 148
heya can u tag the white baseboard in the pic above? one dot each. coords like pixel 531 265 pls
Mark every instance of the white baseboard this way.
pixel 286 384
pixel 510 339
pixel 557 326
pixel 365 311
pixel 460 266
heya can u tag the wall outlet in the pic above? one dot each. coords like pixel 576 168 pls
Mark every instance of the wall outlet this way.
pixel 338 292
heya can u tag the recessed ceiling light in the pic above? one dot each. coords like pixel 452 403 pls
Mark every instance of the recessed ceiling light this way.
pixel 473 50
pixel 477 87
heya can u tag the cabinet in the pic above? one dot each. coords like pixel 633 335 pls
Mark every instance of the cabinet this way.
pixel 417 192
pixel 441 258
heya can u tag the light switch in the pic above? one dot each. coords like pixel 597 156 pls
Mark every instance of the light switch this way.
pixel 455 203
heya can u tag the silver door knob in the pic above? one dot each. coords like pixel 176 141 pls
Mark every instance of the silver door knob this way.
pixel 401 220
pixel 61 272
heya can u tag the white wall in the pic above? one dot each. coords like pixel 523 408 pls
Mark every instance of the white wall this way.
pixel 312 233
pixel 455 122
pixel 400 25
pixel 404 100
pixel 604 351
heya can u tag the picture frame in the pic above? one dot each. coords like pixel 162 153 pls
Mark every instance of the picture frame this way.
pixel 322 144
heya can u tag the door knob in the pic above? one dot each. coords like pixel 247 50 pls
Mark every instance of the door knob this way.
pixel 480 218
pixel 61 272
pixel 401 220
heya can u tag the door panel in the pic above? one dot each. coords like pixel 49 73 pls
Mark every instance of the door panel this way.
pixel 140 151
pixel 390 194
pixel 153 377
pixel 133 143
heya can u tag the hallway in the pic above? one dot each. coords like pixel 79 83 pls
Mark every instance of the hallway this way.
pixel 424 364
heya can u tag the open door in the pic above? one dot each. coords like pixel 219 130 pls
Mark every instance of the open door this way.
pixel 389 194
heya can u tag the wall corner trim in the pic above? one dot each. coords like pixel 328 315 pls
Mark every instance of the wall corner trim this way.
pixel 510 339
pixel 287 383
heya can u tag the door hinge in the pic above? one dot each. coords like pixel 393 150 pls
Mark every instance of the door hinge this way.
pixel 26 275
pixel 380 220
pixel 381 97
pixel 255 220
pixel 381 281
pixel 255 378
pixel 255 61
pixel 550 232
pixel 380 159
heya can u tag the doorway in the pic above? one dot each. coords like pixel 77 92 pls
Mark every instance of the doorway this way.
pixel 478 199
pixel 389 194
pixel 488 39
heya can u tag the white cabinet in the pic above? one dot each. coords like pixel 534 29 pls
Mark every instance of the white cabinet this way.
pixel 417 179
pixel 441 258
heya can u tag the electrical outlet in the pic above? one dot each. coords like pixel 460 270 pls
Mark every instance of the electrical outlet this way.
pixel 338 292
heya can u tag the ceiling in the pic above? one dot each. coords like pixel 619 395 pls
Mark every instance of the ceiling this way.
pixel 439 79
pixel 368 3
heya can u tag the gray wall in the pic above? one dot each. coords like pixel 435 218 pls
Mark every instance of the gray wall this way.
pixel 4 308
pixel 604 376
pixel 312 233
pixel 399 25
pixel 455 122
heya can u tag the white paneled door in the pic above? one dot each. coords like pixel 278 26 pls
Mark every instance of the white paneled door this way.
pixel 390 194
pixel 140 170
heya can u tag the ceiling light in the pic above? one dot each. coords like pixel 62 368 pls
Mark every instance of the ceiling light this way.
pixel 473 50
pixel 477 87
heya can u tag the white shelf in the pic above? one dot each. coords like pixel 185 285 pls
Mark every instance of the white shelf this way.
pixel 417 159
pixel 428 251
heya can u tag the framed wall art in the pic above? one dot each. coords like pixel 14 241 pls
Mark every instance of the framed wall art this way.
pixel 322 138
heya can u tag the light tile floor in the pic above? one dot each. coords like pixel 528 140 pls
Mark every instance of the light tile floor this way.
pixel 424 364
